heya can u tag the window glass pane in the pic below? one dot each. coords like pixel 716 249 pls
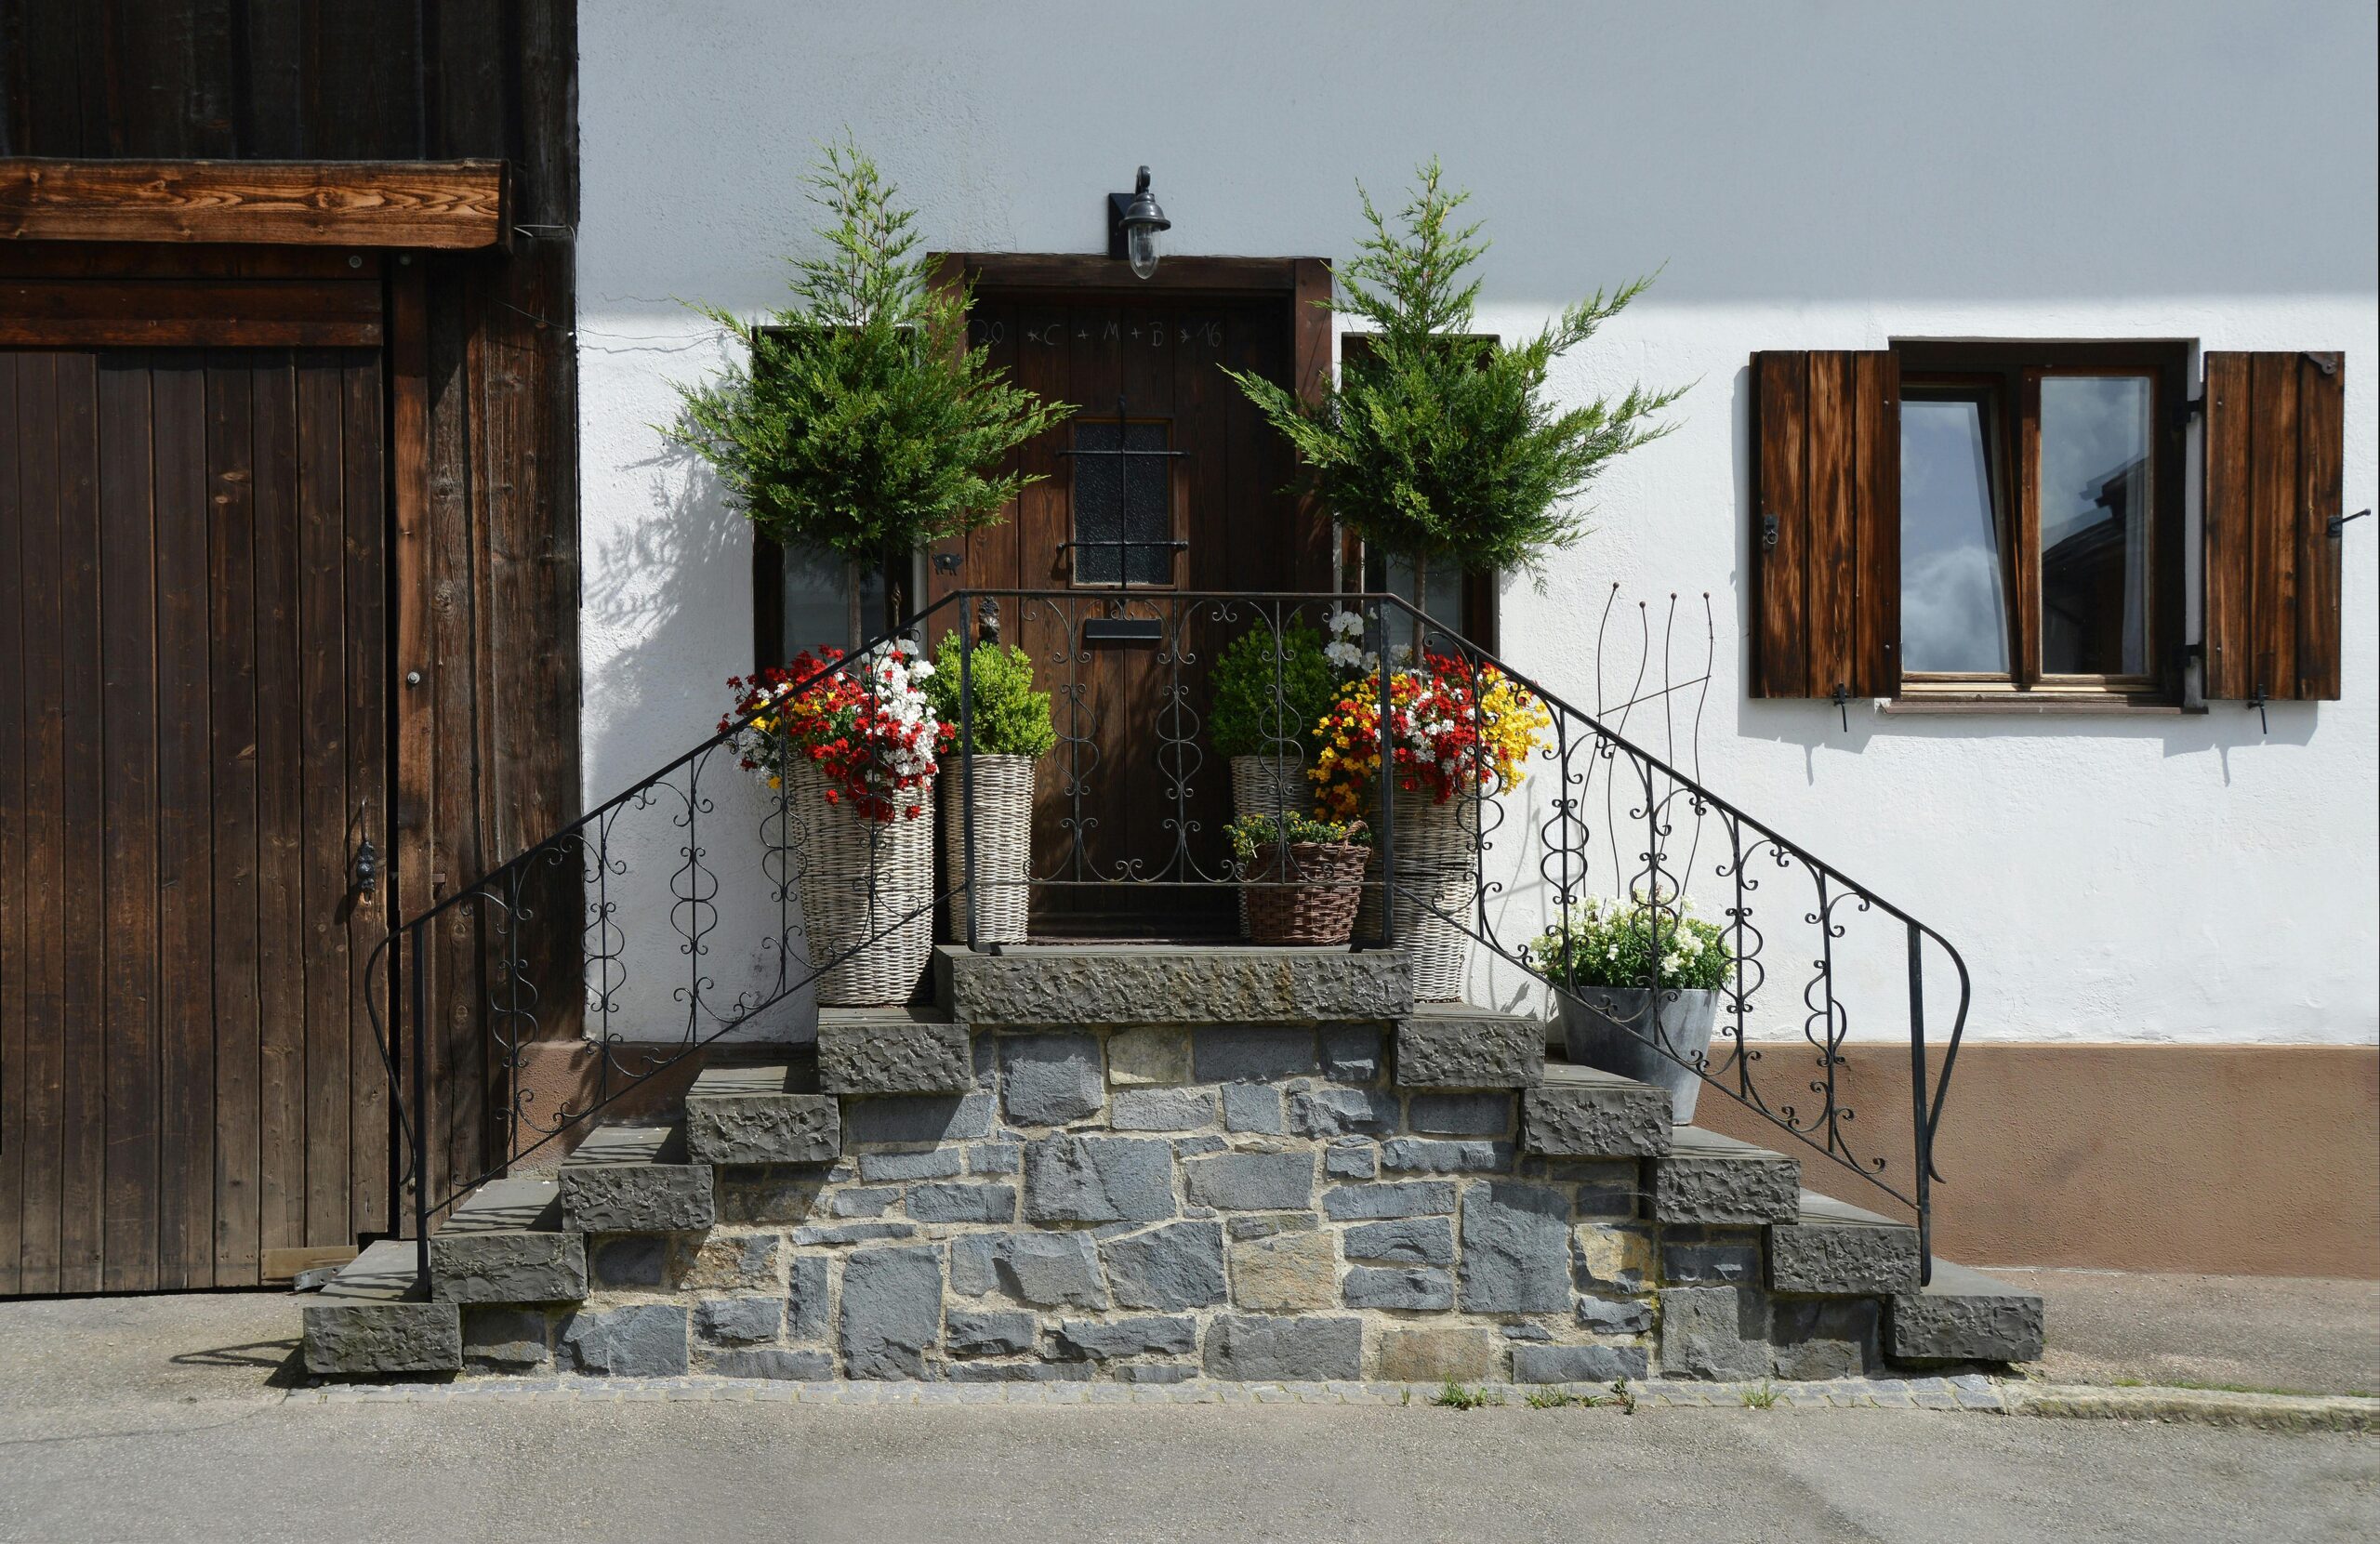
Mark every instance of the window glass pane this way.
pixel 1953 615
pixel 2094 524
pixel 815 609
pixel 1395 576
pixel 1122 497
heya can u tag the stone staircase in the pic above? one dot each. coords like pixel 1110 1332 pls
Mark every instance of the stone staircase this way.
pixel 1148 1164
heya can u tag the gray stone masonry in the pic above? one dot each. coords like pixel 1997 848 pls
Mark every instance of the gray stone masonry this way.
pixel 770 1361
pixel 369 1321
pixel 1455 1045
pixel 892 1051
pixel 356 1339
pixel 1577 1364
pixel 1577 1112
pixel 917 1119
pixel 1815 1338
pixel 641 1341
pixel 503 1244
pixel 1964 1315
pixel 1515 1249
pixel 1158 984
pixel 1249 1347
pixel 1175 1266
pixel 892 1312
pixel 508 1267
pixel 1708 1178
pixel 1128 1200
pixel 1051 1079
pixel 507 1339
pixel 1717 1332
pixel 757 1115
pixel 1837 1249
pixel 1098 1180
pixel 635 1179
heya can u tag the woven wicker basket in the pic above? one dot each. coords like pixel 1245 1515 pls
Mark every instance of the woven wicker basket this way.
pixel 1436 866
pixel 1316 903
pixel 1003 847
pixel 1266 786
pixel 860 879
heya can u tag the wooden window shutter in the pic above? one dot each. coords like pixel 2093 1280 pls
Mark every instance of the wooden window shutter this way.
pixel 2276 431
pixel 1826 523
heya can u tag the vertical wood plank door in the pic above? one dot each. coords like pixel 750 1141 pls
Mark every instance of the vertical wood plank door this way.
pixel 193 745
pixel 1131 783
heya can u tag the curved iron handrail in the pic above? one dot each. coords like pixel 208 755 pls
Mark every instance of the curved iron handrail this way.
pixel 500 930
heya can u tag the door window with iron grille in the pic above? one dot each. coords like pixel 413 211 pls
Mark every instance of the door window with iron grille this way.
pixel 1123 504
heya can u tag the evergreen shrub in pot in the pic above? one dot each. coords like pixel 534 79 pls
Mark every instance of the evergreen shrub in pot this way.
pixel 1007 723
pixel 1633 979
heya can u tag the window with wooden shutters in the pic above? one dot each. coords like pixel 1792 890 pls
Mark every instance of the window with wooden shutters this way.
pixel 2275 435
pixel 1826 524
pixel 1975 522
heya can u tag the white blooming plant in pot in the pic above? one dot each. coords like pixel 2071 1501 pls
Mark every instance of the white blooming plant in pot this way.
pixel 1637 986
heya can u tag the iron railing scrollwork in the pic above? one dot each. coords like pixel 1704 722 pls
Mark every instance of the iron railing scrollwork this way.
pixel 1134 800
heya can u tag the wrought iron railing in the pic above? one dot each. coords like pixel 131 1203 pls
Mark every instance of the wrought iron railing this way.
pixel 666 919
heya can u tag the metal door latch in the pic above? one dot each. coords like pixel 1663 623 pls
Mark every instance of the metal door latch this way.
pixel 368 867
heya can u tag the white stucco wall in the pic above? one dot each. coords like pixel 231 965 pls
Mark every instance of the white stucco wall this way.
pixel 1815 174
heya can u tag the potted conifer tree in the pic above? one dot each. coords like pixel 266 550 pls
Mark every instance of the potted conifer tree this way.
pixel 860 422
pixel 1436 445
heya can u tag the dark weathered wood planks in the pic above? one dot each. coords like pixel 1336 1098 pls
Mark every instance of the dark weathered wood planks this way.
pixel 151 312
pixel 1826 523
pixel 2274 443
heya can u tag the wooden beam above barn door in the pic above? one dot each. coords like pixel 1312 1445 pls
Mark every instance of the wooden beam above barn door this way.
pixel 1826 523
pixel 440 205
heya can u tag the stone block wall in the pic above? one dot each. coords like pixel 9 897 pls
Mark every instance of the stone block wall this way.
pixel 1143 1204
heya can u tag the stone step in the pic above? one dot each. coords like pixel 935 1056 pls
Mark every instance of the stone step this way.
pixel 1580 1113
pixel 1171 983
pixel 1712 1178
pixel 1831 1247
pixel 866 1051
pixel 1964 1315
pixel 762 1113
pixel 636 1178
pixel 1459 1045
pixel 506 1244
pixel 373 1318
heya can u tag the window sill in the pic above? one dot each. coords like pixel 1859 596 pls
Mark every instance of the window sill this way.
pixel 2013 705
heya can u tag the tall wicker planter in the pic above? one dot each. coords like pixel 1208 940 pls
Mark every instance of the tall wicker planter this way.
pixel 1003 846
pixel 1436 878
pixel 1268 786
pixel 860 879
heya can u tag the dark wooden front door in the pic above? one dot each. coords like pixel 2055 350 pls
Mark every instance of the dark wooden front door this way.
pixel 1131 790
pixel 192 749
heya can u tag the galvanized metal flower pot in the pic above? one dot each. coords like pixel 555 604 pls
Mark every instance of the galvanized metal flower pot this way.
pixel 1617 1029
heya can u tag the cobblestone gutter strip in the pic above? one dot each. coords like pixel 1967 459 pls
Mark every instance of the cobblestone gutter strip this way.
pixel 2200 1406
pixel 1968 1393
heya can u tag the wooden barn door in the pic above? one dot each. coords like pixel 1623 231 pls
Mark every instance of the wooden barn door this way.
pixel 193 750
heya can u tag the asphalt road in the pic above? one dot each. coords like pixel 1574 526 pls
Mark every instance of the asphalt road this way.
pixel 160 1420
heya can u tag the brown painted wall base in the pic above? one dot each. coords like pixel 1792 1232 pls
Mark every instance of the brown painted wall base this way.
pixel 2260 1160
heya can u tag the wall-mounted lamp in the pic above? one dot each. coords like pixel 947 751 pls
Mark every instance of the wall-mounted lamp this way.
pixel 1134 220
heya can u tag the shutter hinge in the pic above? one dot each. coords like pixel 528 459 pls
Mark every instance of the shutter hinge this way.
pixel 2187 408
pixel 2327 363
pixel 2338 523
